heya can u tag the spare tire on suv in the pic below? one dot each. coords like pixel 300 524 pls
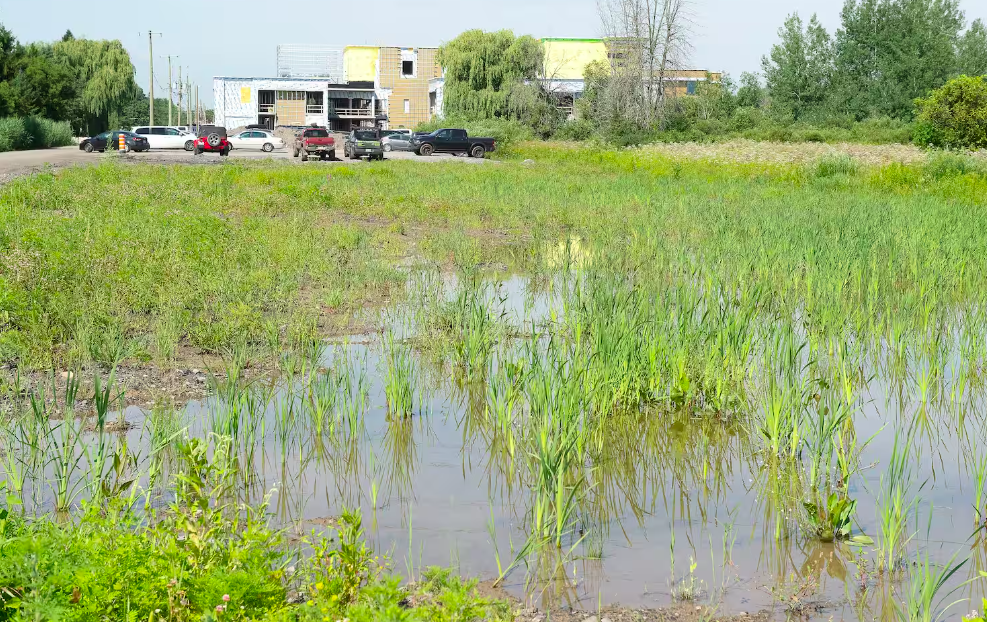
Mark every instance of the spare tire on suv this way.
pixel 214 135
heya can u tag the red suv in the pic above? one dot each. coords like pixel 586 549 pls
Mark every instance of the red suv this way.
pixel 212 139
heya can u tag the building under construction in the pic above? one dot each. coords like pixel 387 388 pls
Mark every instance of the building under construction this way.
pixel 397 87
pixel 336 87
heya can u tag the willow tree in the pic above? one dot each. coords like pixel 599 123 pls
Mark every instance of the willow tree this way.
pixel 491 75
pixel 105 78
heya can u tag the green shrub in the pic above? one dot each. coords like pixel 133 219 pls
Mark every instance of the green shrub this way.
pixel 954 116
pixel 881 130
pixel 580 129
pixel 831 166
pixel 779 134
pixel 746 118
pixel 18 133
pixel 624 132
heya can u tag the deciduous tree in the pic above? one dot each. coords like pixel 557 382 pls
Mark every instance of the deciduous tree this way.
pixel 799 68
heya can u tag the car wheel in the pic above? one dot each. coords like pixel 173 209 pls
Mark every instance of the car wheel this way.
pixel 387 147
pixel 197 150
pixel 267 148
pixel 189 145
pixel 478 151
pixel 332 155
pixel 304 156
pixel 225 152
pixel 88 148
pixel 427 150
pixel 294 153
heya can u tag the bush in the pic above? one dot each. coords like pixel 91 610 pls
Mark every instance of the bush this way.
pixel 580 129
pixel 954 116
pixel 19 133
pixel 746 118
pixel 881 130
pixel 624 132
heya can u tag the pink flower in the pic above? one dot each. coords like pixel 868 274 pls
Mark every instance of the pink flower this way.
pixel 226 598
pixel 220 608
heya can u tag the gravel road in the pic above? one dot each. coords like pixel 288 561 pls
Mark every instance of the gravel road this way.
pixel 18 163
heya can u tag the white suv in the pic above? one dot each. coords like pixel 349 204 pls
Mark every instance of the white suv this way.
pixel 166 137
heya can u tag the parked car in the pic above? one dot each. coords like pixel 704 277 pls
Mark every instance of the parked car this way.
pixel 386 133
pixel 111 141
pixel 256 139
pixel 212 139
pixel 363 143
pixel 397 142
pixel 452 141
pixel 315 142
pixel 166 137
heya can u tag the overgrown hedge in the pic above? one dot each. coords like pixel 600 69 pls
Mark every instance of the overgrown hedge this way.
pixel 19 133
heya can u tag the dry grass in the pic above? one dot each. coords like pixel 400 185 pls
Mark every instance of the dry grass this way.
pixel 787 153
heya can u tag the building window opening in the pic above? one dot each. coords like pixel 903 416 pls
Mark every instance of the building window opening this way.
pixel 407 106
pixel 408 68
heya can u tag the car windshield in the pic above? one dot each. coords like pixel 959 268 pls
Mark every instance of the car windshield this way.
pixel 366 135
pixel 316 134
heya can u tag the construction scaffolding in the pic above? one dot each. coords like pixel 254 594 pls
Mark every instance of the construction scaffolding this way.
pixel 310 61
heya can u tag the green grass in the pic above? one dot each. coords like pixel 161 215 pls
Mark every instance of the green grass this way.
pixel 121 261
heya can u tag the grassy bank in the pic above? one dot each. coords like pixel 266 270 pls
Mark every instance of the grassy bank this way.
pixel 205 558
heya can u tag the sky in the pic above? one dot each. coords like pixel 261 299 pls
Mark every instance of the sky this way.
pixel 728 35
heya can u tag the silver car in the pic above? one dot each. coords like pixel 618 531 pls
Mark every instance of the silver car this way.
pixel 397 142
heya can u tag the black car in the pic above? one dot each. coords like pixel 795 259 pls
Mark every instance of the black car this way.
pixel 452 141
pixel 111 141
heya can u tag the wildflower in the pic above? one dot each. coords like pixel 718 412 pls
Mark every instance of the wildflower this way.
pixel 220 608
pixel 319 586
pixel 226 598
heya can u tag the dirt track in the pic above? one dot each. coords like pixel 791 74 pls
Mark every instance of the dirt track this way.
pixel 18 163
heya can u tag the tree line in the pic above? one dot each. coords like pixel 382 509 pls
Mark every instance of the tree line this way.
pixel 860 83
pixel 884 56
pixel 87 83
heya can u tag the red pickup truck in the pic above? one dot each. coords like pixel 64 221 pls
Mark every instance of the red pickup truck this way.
pixel 315 142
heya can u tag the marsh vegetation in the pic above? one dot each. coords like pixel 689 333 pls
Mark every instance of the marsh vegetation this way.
pixel 605 377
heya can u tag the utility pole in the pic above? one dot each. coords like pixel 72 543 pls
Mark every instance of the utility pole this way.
pixel 179 94
pixel 188 84
pixel 150 48
pixel 170 95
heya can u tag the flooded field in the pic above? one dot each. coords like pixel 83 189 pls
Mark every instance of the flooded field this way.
pixel 602 379
pixel 558 436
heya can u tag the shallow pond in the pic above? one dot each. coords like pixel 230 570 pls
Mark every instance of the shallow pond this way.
pixel 672 505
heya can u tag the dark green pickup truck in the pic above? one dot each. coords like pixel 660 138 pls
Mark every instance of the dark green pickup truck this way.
pixel 452 141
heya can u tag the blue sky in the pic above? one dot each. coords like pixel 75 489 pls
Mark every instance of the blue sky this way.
pixel 729 35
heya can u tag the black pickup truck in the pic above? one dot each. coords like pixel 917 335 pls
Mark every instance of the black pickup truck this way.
pixel 452 141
